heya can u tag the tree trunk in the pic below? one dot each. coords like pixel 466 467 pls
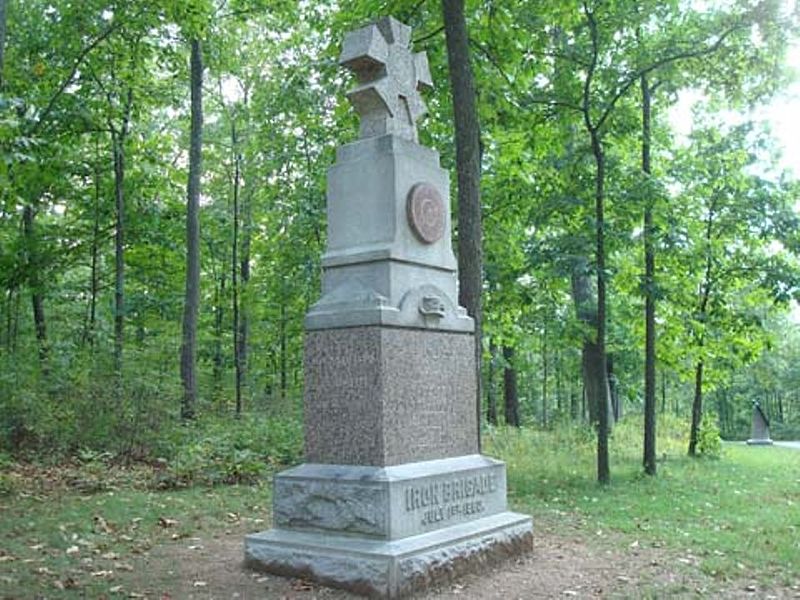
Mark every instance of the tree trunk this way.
pixel 468 166
pixel 192 298
pixel 3 21
pixel 244 279
pixel 119 250
pixel 613 389
pixel 595 380
pixel 237 359
pixel 544 378
pixel 559 386
pixel 219 314
pixel 118 147
pixel 649 450
pixel 601 399
pixel 91 326
pixel 697 408
pixel 510 387
pixel 491 400
pixel 9 318
pixel 697 404
pixel 283 349
pixel 34 281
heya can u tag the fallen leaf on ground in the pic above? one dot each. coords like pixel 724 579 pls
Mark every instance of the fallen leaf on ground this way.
pixel 301 585
pixel 103 573
pixel 165 522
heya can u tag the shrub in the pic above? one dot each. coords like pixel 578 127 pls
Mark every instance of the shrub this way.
pixel 222 449
pixel 709 442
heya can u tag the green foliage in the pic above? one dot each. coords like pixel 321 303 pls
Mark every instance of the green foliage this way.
pixel 709 442
pixel 88 412
pixel 730 516
pixel 220 450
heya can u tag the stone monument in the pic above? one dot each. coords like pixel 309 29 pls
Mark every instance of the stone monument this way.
pixel 393 495
pixel 759 435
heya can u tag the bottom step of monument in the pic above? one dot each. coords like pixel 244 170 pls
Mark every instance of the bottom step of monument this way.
pixel 389 569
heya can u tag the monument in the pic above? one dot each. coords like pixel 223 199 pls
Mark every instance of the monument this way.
pixel 759 435
pixel 393 496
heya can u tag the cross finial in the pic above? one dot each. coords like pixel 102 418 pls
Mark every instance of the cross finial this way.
pixel 390 78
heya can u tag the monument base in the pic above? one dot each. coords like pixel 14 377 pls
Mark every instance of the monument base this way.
pixel 762 442
pixel 389 531
pixel 390 569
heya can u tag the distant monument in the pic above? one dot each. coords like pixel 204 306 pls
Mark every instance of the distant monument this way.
pixel 759 435
pixel 393 495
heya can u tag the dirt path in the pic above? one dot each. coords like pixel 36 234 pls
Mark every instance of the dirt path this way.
pixel 558 567
pixel 795 445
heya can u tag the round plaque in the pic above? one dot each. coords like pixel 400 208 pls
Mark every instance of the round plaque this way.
pixel 426 212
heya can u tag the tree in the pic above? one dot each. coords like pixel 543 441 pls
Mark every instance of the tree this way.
pixel 733 216
pixel 468 165
pixel 192 297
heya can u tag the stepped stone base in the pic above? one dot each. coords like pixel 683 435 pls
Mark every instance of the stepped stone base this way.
pixel 760 442
pixel 389 531
pixel 390 569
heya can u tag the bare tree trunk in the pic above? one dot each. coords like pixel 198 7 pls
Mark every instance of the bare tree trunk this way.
pixel 613 389
pixel 237 359
pixel 601 389
pixel 468 166
pixel 559 386
pixel 283 349
pixel 594 375
pixel 510 388
pixel 192 299
pixel 34 281
pixel 697 408
pixel 544 378
pixel 3 22
pixel 9 317
pixel 219 314
pixel 119 250
pixel 491 408
pixel 118 146
pixel 649 450
pixel 91 326
pixel 245 278
pixel 697 404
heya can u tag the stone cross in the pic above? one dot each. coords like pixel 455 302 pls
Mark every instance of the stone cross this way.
pixel 390 78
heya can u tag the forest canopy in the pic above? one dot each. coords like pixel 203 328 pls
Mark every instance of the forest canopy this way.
pixel 625 268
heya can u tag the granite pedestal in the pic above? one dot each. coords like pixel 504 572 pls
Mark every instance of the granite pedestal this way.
pixel 760 428
pixel 393 496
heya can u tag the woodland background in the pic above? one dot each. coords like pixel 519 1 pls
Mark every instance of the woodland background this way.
pixel 590 210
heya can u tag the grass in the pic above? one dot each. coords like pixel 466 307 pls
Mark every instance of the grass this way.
pixel 68 543
pixel 733 518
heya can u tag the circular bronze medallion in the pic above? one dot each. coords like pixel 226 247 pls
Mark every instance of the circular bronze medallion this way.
pixel 426 212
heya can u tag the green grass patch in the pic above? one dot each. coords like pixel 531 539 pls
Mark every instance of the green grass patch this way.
pixel 735 517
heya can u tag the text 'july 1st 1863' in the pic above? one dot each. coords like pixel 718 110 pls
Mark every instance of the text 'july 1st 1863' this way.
pixel 450 499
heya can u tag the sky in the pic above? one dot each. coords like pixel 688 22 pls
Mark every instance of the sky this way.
pixel 782 114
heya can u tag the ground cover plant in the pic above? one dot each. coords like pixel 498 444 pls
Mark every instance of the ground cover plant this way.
pixel 733 515
pixel 728 518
